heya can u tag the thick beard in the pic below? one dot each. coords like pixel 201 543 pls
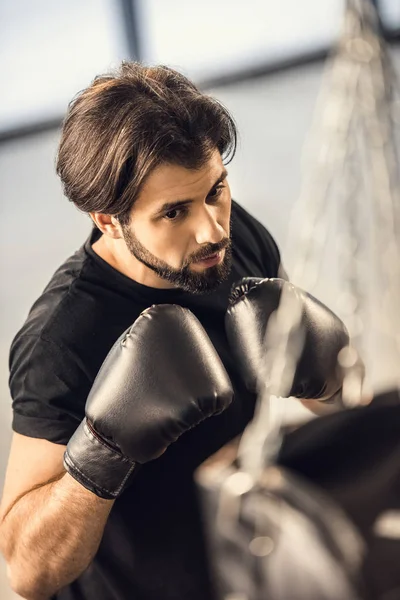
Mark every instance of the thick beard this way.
pixel 185 278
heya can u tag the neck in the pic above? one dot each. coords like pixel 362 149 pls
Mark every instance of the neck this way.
pixel 116 254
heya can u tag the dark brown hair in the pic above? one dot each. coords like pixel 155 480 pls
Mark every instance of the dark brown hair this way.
pixel 125 124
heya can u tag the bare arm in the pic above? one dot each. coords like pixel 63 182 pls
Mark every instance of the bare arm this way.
pixel 50 526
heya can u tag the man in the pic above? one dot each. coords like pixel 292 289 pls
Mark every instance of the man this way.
pixel 143 152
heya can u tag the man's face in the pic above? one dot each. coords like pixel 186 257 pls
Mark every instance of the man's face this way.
pixel 180 225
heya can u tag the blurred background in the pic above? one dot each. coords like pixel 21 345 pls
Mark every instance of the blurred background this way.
pixel 263 59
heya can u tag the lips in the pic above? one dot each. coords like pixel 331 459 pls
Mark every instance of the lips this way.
pixel 211 260
pixel 210 257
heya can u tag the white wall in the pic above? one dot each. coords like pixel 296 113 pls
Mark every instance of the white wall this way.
pixel 50 50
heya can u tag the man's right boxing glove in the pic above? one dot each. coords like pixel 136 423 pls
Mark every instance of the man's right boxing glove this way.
pixel 161 378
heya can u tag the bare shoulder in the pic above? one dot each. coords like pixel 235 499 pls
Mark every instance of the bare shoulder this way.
pixel 32 462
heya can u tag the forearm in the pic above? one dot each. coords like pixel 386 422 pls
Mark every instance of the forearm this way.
pixel 323 408
pixel 50 535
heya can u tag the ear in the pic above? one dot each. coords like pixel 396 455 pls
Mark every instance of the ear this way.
pixel 107 224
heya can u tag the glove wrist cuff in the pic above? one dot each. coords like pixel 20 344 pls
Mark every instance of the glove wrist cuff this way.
pixel 97 465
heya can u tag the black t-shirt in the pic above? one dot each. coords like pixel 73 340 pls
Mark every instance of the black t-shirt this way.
pixel 152 547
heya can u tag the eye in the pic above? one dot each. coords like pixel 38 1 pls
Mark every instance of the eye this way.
pixel 174 214
pixel 216 192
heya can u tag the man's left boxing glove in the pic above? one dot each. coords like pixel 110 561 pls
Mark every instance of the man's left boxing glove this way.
pixel 162 377
pixel 252 302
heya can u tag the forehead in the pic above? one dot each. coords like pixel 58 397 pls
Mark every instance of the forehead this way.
pixel 170 183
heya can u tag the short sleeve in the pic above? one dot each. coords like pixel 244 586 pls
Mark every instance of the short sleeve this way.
pixel 48 389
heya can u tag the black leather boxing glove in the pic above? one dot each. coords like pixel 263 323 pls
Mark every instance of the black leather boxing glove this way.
pixel 252 301
pixel 162 377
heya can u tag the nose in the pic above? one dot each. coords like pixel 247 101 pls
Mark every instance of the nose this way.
pixel 207 228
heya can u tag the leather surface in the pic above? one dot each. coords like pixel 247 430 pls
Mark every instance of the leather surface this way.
pixel 282 539
pixel 252 303
pixel 161 378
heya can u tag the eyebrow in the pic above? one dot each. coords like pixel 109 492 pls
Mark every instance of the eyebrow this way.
pixel 171 205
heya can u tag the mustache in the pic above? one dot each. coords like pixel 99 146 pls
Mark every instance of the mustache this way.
pixel 209 250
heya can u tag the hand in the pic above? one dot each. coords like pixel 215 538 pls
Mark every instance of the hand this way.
pixel 162 377
pixel 253 301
